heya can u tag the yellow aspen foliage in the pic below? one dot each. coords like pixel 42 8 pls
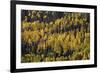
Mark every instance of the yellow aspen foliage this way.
pixel 57 22
pixel 42 32
pixel 55 36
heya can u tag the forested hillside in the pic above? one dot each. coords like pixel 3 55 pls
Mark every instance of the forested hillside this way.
pixel 54 36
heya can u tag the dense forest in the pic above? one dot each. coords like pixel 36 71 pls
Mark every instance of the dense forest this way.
pixel 48 36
